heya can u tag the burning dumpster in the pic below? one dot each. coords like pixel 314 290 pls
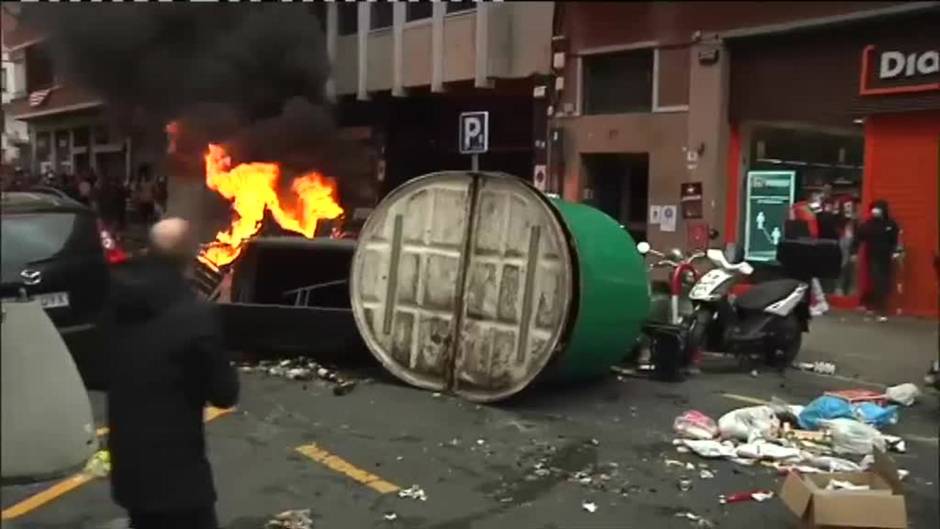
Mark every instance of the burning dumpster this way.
pixel 291 295
pixel 477 283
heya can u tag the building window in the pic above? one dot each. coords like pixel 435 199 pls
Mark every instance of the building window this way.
pixel 456 7
pixel 4 80
pixel 347 18
pixel 382 15
pixel 418 10
pixel 618 82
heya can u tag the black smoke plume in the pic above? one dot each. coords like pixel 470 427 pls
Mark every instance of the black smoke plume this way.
pixel 249 76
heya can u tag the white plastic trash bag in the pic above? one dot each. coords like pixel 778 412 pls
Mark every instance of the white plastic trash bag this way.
pixel 708 447
pixel 852 437
pixel 747 424
pixel 763 450
pixel 904 394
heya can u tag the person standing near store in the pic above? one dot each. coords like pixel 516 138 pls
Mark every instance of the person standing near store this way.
pixel 807 212
pixel 880 235
pixel 166 363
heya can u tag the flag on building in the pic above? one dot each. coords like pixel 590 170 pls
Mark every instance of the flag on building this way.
pixel 39 97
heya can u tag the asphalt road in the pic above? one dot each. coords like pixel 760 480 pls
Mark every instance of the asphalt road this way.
pixel 477 463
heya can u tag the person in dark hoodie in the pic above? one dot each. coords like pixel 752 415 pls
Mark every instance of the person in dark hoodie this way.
pixel 880 235
pixel 166 363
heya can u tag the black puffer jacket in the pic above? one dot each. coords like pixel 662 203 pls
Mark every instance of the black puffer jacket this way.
pixel 166 363
pixel 879 233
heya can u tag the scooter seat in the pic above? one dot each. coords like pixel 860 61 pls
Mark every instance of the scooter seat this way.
pixel 761 295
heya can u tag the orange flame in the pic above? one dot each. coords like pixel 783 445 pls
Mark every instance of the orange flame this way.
pixel 252 188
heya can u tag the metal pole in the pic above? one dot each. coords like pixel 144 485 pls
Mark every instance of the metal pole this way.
pixel 475 162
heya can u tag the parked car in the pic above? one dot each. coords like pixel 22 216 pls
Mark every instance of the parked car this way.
pixel 55 251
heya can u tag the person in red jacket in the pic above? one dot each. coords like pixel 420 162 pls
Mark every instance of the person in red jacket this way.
pixel 805 211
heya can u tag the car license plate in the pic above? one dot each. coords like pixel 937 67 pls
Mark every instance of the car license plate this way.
pixel 53 300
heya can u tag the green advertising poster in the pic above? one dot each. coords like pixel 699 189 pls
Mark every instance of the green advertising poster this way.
pixel 769 198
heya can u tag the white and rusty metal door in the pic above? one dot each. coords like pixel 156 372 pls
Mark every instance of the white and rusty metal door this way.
pixel 463 282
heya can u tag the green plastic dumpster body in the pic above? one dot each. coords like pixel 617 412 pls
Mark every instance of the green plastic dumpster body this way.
pixel 479 284
pixel 613 292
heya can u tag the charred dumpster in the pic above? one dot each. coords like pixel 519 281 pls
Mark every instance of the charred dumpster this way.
pixel 478 284
pixel 291 295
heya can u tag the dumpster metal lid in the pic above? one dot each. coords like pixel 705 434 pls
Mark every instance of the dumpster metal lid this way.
pixel 464 282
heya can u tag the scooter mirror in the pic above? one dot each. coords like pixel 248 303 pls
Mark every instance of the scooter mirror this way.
pixel 643 247
pixel 713 234
pixel 677 254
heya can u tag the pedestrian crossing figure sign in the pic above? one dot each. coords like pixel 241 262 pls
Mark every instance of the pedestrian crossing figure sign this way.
pixel 770 195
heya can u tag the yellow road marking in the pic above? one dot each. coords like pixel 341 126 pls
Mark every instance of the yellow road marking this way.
pixel 744 398
pixel 71 483
pixel 349 470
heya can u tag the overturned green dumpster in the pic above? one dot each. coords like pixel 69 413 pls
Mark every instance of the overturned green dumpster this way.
pixel 478 284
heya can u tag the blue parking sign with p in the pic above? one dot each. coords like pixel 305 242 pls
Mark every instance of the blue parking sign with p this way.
pixel 474 132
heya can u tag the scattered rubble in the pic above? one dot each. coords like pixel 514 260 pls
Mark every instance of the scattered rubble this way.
pixel 904 394
pixel 589 506
pixel 295 519
pixel 698 520
pixel 99 465
pixel 390 516
pixel 788 438
pixel 413 493
pixel 738 497
pixel 300 369
pixel 822 368
pixel 695 425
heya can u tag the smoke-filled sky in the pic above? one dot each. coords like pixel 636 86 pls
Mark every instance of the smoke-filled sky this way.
pixel 251 76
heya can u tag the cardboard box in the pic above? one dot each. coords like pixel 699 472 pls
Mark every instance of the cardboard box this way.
pixel 882 507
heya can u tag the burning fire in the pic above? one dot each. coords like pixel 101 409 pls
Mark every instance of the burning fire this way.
pixel 252 188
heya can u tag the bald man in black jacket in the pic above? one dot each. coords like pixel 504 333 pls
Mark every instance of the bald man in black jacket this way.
pixel 166 363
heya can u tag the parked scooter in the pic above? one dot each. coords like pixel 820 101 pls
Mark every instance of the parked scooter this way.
pixel 766 321
pixel 665 339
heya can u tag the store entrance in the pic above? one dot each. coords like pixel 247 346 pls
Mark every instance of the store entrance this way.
pixel 620 188
pixel 828 167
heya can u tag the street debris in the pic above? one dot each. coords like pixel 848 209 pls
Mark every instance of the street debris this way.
pixel 676 463
pixel 695 425
pixel 832 464
pixel 699 521
pixel 835 407
pixel 738 497
pixel 708 448
pixel 855 396
pixel 806 439
pixel 747 423
pixel 413 493
pixel 344 388
pixel 762 450
pixel 300 369
pixel 684 484
pixel 835 484
pixel 852 437
pixel 822 368
pixel 99 465
pixel 390 516
pixel 904 394
pixel 589 506
pixel 295 519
